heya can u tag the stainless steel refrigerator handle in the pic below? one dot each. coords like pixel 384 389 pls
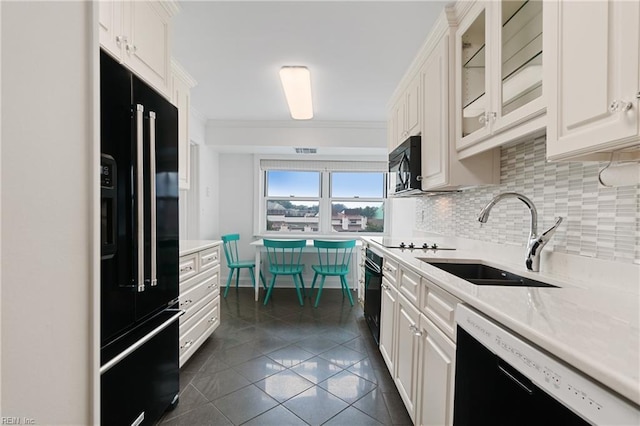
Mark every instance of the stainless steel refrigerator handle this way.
pixel 140 193
pixel 152 173
pixel 122 355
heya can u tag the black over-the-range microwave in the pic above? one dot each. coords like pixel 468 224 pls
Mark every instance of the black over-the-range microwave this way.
pixel 405 168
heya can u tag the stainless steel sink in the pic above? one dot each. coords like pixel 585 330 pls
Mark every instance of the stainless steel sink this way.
pixel 479 274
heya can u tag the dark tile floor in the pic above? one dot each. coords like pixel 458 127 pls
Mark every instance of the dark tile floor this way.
pixel 283 364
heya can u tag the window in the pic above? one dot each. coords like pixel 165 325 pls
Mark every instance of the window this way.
pixel 321 201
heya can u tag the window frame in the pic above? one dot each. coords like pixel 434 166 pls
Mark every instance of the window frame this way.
pixel 325 203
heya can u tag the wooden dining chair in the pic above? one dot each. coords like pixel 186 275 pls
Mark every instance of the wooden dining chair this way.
pixel 334 257
pixel 284 259
pixel 234 263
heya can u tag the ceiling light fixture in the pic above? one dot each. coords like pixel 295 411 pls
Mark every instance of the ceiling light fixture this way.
pixel 296 82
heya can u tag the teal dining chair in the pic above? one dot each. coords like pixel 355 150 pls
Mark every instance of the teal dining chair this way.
pixel 335 257
pixel 230 242
pixel 284 259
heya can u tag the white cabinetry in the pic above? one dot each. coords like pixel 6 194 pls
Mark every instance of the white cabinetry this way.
pixel 406 350
pixel 592 76
pixel 417 342
pixel 498 88
pixel 199 297
pixel 405 114
pixel 436 375
pixel 441 168
pixel 137 33
pixel 181 85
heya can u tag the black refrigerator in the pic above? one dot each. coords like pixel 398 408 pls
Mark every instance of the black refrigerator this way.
pixel 139 374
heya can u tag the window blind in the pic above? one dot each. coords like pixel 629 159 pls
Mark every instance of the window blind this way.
pixel 328 166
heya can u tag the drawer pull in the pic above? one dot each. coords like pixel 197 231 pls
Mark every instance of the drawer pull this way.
pixel 386 268
pixel 186 345
pixel 212 285
pixel 186 268
pixel 212 320
pixel 186 302
pixel 415 330
pixel 209 258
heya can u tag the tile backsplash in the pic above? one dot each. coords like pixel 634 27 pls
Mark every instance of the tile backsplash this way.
pixel 598 222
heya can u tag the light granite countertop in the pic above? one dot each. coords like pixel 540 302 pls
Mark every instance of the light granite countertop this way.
pixel 594 328
pixel 192 246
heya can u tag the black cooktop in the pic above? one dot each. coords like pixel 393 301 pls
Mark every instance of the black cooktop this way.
pixel 412 244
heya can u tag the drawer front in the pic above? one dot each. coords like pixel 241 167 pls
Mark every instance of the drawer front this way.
pixel 198 296
pixel 192 339
pixel 409 285
pixel 197 279
pixel 209 258
pixel 440 308
pixel 195 326
pixel 187 267
pixel 390 270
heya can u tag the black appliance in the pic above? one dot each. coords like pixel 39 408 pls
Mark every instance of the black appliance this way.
pixel 411 244
pixel 139 373
pixel 405 167
pixel 501 379
pixel 372 291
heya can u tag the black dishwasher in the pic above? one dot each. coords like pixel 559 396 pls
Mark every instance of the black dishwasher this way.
pixel 372 292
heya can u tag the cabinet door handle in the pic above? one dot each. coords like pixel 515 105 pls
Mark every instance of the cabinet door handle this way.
pixel 120 39
pixel 186 345
pixel 140 194
pixel 620 106
pixel 152 195
pixel 415 330
pixel 212 320
pixel 186 268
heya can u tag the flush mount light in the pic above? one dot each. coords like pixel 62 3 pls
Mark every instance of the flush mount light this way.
pixel 296 81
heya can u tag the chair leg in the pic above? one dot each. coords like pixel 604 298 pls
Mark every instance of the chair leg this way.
pixel 237 277
pixel 304 293
pixel 226 290
pixel 345 287
pixel 295 280
pixel 319 291
pixel 268 295
pixel 253 277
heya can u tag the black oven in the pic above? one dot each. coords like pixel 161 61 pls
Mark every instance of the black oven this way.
pixel 405 167
pixel 372 292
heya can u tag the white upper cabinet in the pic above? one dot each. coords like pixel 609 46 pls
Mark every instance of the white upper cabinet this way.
pixel 137 33
pixel 498 87
pixel 405 114
pixel 592 78
pixel 441 168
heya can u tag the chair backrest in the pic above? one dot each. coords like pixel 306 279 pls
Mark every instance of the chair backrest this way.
pixel 284 253
pixel 335 255
pixel 231 247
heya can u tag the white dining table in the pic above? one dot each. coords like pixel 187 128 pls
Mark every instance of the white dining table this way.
pixel 259 247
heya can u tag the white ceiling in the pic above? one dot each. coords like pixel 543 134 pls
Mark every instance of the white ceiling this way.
pixel 357 52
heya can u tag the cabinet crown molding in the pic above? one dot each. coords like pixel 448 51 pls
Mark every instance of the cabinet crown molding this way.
pixel 178 70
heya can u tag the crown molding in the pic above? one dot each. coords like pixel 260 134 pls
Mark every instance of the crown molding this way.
pixel 178 70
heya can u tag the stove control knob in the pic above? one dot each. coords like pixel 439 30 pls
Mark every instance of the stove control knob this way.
pixel 425 245
pixel 434 246
pixel 411 245
pixel 402 245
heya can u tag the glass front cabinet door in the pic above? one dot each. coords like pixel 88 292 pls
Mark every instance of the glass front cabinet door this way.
pixel 499 71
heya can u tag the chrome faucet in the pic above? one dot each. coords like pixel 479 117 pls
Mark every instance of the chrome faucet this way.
pixel 536 242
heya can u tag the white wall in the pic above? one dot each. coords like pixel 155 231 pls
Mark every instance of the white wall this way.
pixel 210 177
pixel 49 191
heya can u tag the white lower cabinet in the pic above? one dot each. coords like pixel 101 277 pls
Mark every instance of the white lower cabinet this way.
pixel 199 298
pixel 406 345
pixel 417 342
pixel 435 376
